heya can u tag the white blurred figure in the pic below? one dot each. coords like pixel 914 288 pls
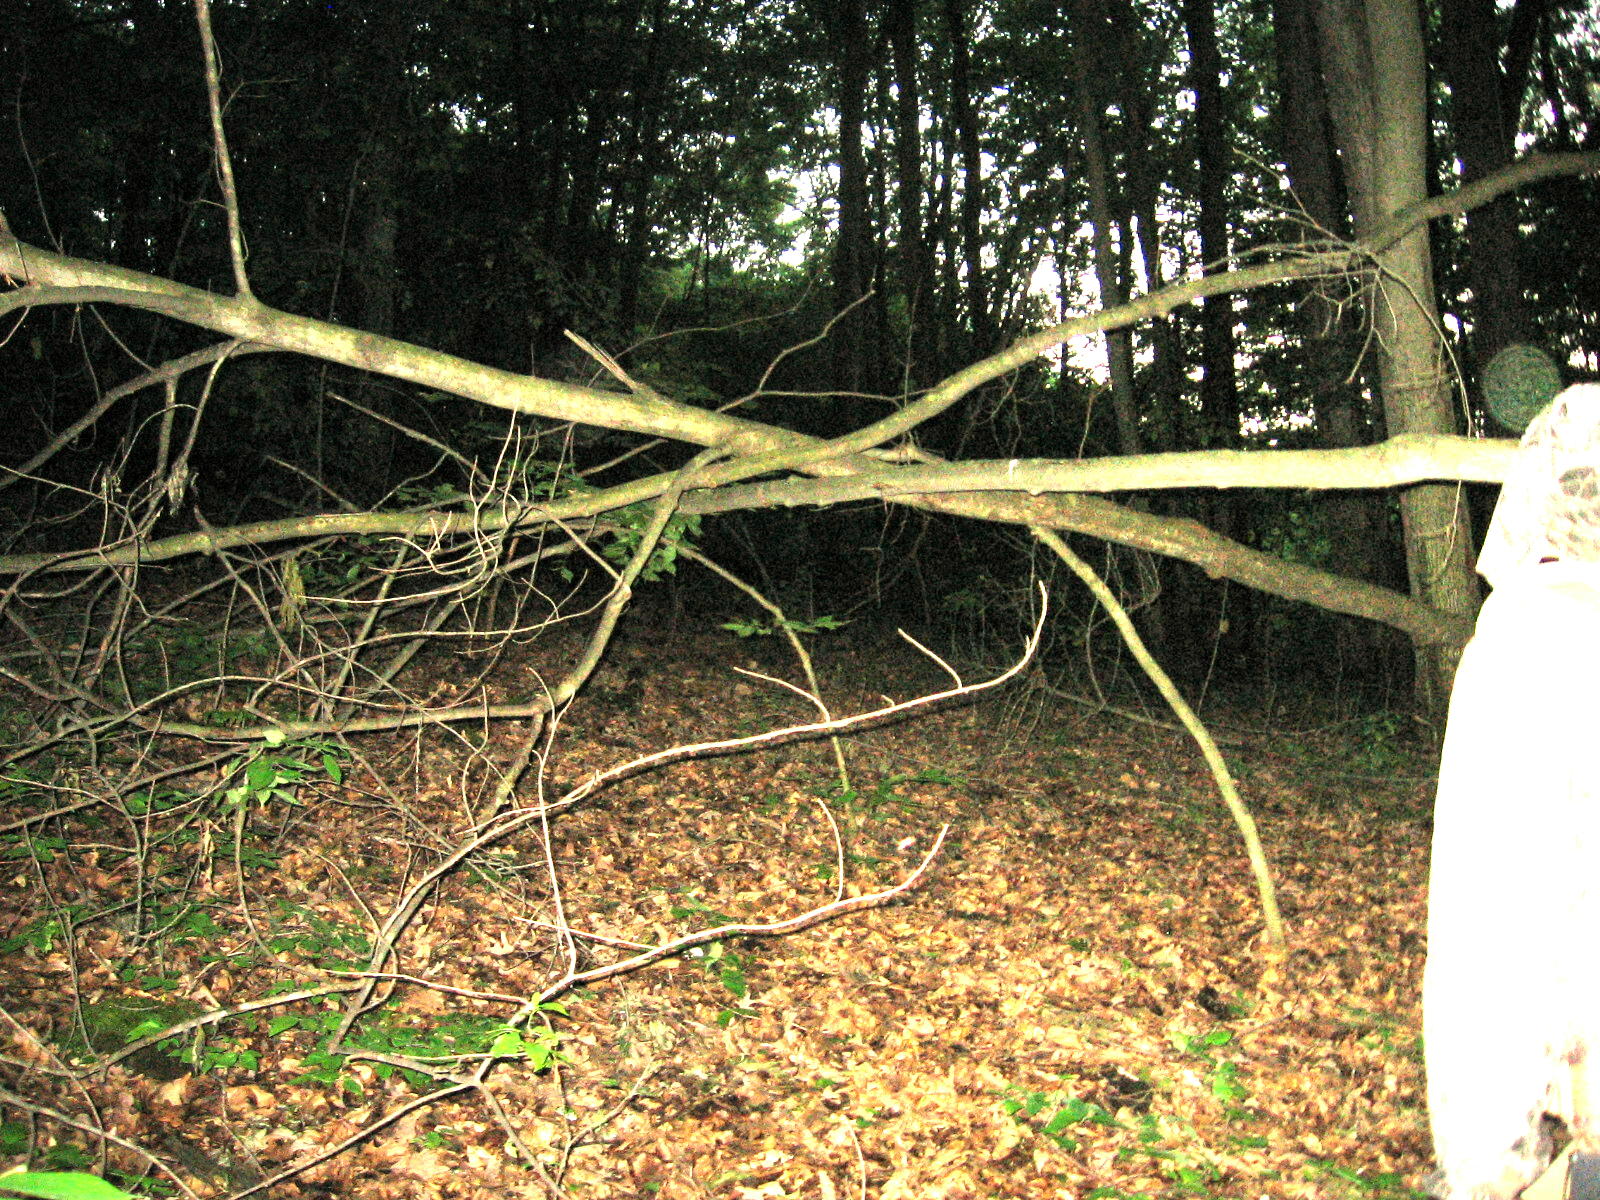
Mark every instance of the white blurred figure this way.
pixel 1511 994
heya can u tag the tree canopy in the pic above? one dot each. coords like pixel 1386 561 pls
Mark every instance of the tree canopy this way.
pixel 805 214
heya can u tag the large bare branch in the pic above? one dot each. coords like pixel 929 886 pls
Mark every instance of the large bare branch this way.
pixel 50 278
pixel 1061 507
pixel 1189 540
pixel 1404 459
pixel 1407 459
pixel 1034 493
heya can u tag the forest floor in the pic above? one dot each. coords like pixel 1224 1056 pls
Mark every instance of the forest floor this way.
pixel 1075 1001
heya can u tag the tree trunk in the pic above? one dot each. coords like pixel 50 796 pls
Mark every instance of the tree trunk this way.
pixel 1378 100
pixel 850 260
pixel 372 262
pixel 1357 530
pixel 1102 215
pixel 542 115
pixel 912 259
pixel 1219 385
pixel 965 117
pixel 1200 604
pixel 1165 424
pixel 642 162
pixel 1483 116
pixel 1162 395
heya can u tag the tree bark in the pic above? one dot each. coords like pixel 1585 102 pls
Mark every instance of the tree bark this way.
pixel 1359 539
pixel 643 160
pixel 1195 602
pixel 1483 116
pixel 1219 385
pixel 372 262
pixel 912 259
pixel 979 319
pixel 1378 99
pixel 850 259
pixel 1102 217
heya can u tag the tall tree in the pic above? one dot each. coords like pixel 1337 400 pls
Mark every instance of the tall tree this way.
pixel 641 159
pixel 373 269
pixel 900 18
pixel 1485 101
pixel 1354 521
pixel 1376 76
pixel 964 115
pixel 847 30
pixel 1219 386
pixel 1140 47
pixel 1087 27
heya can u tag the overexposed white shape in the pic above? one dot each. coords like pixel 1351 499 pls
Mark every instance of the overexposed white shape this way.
pixel 1511 994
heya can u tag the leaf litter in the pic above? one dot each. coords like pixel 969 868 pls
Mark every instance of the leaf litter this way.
pixel 1076 1002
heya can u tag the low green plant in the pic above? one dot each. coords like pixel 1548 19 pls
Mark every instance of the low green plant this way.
pixel 227 718
pixel 20 791
pixel 1184 1161
pixel 1051 1114
pixel 538 1045
pixel 1378 743
pixel 188 653
pixel 631 523
pixel 154 801
pixel 1379 1030
pixel 691 907
pixel 545 479
pixel 278 768
pixel 67 1156
pixel 1344 1181
pixel 139 976
pixel 1168 1143
pixel 428 495
pixel 1225 1083
pixel 302 931
pixel 727 966
pixel 208 1058
pixel 43 933
pixel 184 922
pixel 1298 536
pixel 39 847
pixel 435 1139
pixel 882 796
pixel 718 958
pixel 339 564
pixel 115 1021
pixel 444 1040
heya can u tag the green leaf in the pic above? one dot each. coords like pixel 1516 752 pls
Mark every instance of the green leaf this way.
pixel 509 1044
pixel 1074 1110
pixel 733 979
pixel 61 1185
pixel 1061 1121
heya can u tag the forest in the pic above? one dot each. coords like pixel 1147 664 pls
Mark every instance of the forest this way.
pixel 751 598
